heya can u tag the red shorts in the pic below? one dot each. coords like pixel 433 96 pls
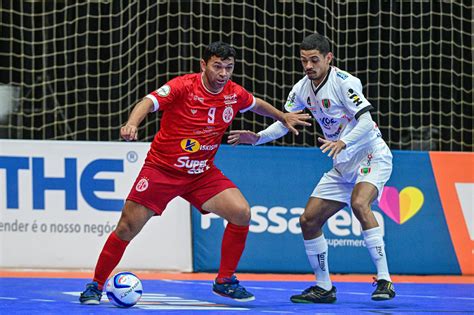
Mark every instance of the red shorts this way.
pixel 156 186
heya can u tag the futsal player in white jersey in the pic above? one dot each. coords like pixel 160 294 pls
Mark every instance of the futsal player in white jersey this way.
pixel 362 164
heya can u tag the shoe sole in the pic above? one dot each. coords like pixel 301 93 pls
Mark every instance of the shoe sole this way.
pixel 90 302
pixel 238 300
pixel 312 302
pixel 382 297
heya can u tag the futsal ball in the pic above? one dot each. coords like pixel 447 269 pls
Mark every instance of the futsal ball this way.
pixel 124 289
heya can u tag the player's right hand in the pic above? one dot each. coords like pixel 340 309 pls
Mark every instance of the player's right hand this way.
pixel 129 132
pixel 237 137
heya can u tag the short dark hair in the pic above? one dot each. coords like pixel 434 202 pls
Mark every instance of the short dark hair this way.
pixel 316 42
pixel 218 49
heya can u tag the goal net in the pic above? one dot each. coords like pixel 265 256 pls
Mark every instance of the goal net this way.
pixel 72 70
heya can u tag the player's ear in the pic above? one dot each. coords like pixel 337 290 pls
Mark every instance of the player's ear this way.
pixel 203 65
pixel 329 57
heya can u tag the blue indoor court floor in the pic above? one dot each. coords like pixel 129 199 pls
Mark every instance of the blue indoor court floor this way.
pixel 60 296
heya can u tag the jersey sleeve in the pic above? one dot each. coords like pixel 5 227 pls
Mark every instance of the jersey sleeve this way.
pixel 246 99
pixel 353 98
pixel 293 102
pixel 166 94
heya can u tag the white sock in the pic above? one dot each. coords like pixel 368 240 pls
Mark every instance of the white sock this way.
pixel 374 242
pixel 317 252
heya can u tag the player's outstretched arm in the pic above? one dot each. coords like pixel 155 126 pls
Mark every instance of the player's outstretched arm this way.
pixel 129 132
pixel 289 120
pixel 237 137
pixel 272 132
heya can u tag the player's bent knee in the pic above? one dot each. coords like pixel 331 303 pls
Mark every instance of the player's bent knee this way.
pixel 308 224
pixel 127 228
pixel 241 216
pixel 360 205
pixel 125 231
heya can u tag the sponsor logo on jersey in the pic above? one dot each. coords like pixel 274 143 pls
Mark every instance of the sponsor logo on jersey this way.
pixel 335 134
pixel 290 102
pixel 308 101
pixel 327 122
pixel 342 75
pixel 194 97
pixel 228 114
pixel 142 184
pixel 193 111
pixel 207 130
pixel 208 147
pixel 190 145
pixel 369 159
pixel 164 91
pixel 326 103
pixel 354 97
pixel 230 99
pixel 193 166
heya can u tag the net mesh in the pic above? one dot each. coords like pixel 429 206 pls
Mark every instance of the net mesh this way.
pixel 73 70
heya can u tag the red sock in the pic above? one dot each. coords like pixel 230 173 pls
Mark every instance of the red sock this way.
pixel 109 258
pixel 233 244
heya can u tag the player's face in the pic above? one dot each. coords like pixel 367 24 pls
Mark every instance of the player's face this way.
pixel 315 65
pixel 217 72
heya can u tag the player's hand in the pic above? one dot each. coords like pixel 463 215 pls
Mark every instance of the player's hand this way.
pixel 237 137
pixel 129 132
pixel 334 147
pixel 298 118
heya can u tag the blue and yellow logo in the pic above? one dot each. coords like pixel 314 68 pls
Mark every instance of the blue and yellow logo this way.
pixel 190 145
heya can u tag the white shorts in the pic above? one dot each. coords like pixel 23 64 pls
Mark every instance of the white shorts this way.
pixel 371 164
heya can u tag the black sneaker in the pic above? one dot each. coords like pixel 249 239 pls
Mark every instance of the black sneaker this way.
pixel 315 294
pixel 385 290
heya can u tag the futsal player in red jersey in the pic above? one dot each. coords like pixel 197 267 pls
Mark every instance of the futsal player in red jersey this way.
pixel 197 110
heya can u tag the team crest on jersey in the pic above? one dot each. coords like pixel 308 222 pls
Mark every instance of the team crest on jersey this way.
pixel 326 103
pixel 190 145
pixel 142 184
pixel 354 97
pixel 228 114
pixel 164 91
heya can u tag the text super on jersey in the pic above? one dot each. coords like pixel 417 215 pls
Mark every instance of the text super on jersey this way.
pixel 193 122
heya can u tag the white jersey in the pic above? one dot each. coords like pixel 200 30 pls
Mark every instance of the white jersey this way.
pixel 336 104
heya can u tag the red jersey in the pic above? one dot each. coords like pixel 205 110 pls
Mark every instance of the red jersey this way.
pixel 193 122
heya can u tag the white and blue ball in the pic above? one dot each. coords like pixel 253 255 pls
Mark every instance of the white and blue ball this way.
pixel 124 289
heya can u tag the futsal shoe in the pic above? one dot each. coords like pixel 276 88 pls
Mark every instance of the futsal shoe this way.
pixel 315 294
pixel 232 289
pixel 384 291
pixel 91 295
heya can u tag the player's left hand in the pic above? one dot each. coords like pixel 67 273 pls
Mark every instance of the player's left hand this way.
pixel 237 137
pixel 334 147
pixel 298 118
